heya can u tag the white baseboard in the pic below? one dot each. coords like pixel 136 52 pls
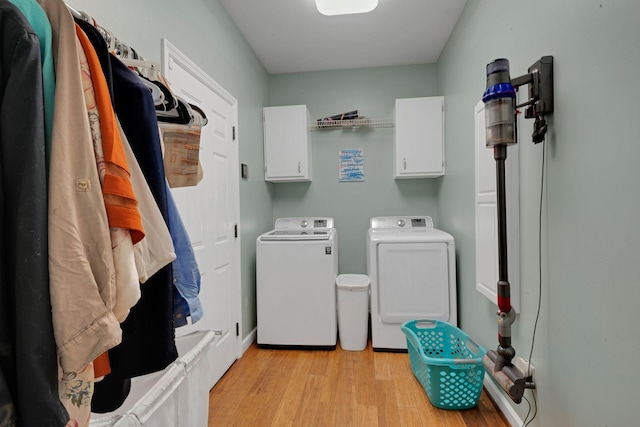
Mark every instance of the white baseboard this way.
pixel 502 401
pixel 249 339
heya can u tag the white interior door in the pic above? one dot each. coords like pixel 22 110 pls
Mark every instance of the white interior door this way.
pixel 210 210
pixel 487 216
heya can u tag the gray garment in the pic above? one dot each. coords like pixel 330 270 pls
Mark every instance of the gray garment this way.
pixel 28 369
pixel 38 20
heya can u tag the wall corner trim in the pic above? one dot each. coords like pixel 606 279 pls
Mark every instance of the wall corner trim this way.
pixel 250 338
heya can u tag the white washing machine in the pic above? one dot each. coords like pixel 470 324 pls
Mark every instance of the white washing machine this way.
pixel 296 270
pixel 412 268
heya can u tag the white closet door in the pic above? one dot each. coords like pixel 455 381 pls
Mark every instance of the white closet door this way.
pixel 210 210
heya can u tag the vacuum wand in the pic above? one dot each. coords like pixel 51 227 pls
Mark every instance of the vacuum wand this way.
pixel 506 314
pixel 498 362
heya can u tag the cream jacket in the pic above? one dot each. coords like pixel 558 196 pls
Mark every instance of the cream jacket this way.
pixel 81 269
pixel 156 249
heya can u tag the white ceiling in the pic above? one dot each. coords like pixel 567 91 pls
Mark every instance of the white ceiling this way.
pixel 292 36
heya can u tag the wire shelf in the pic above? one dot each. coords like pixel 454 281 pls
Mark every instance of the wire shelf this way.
pixel 353 123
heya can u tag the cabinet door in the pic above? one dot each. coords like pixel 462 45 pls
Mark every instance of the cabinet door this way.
pixel 418 137
pixel 287 151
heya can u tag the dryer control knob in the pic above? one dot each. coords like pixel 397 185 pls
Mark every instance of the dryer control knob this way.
pixel 304 223
pixel 401 223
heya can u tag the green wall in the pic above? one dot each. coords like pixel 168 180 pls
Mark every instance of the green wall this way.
pixel 587 336
pixel 204 32
pixel 372 92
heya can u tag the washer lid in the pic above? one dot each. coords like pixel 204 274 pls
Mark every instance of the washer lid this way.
pixel 298 234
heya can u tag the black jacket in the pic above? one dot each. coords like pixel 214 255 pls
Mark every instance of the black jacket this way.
pixel 28 369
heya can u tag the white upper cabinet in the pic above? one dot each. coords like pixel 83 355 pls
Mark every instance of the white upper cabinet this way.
pixel 418 140
pixel 287 144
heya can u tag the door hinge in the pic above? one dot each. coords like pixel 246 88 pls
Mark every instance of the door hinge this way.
pixel 233 136
pixel 235 231
pixel 237 329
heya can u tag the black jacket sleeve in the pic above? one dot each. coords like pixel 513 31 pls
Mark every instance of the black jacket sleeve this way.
pixel 28 367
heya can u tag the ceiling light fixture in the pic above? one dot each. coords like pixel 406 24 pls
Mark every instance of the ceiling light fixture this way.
pixel 342 7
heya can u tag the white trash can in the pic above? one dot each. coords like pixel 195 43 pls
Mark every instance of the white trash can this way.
pixel 353 311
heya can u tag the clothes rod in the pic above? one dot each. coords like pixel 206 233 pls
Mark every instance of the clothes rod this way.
pixel 117 47
pixel 75 13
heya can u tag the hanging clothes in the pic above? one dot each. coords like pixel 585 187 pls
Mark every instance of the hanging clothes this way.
pixel 125 222
pixel 148 343
pixel 40 23
pixel 127 292
pixel 28 371
pixel 186 275
pixel 82 276
pixel 94 229
pixel 101 49
pixel 76 391
pixel 148 333
pixel 156 250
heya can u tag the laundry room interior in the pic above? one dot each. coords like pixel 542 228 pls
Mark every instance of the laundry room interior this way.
pixel 576 270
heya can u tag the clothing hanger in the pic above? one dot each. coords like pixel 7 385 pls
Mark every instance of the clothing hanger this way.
pixel 150 71
pixel 169 102
pixel 156 92
pixel 179 115
pixel 122 50
pixel 128 56
pixel 199 119
pixel 147 71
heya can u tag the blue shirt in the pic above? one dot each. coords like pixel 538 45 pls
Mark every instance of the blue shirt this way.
pixel 186 275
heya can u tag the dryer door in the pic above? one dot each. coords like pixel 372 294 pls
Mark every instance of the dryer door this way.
pixel 413 281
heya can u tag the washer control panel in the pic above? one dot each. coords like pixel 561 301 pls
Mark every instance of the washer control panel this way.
pixel 305 223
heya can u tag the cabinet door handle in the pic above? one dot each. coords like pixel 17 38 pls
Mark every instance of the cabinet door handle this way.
pixel 405 163
pixel 299 168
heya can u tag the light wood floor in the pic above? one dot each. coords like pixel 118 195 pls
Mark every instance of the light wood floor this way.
pixel 275 387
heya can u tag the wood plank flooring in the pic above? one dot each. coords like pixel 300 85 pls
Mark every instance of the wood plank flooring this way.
pixel 276 387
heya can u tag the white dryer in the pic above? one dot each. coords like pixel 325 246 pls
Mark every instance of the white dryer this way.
pixel 296 270
pixel 412 268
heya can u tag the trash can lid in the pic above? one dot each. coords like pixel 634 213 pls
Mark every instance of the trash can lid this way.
pixel 353 282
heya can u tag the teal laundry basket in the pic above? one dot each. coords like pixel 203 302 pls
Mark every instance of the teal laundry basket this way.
pixel 446 362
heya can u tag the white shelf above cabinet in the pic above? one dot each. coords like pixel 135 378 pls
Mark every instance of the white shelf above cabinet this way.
pixel 418 139
pixel 287 144
pixel 351 124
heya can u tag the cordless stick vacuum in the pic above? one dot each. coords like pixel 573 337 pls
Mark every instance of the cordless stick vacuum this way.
pixel 500 116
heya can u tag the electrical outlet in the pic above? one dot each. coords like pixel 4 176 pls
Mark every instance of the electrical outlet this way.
pixel 523 365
